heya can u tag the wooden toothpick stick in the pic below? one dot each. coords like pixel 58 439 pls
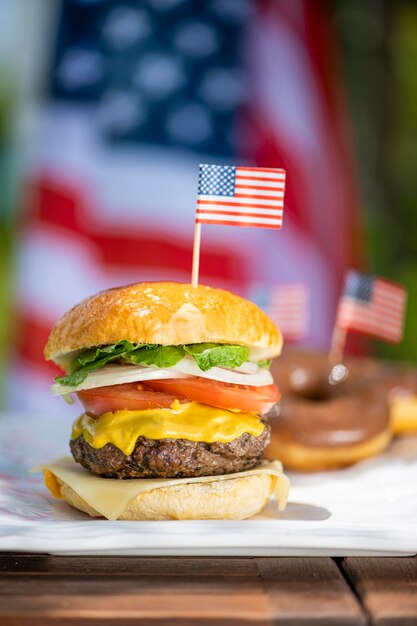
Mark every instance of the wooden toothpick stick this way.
pixel 337 348
pixel 196 255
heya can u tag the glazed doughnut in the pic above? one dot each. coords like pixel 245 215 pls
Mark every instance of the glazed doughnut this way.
pixel 322 426
pixel 404 414
pixel 400 384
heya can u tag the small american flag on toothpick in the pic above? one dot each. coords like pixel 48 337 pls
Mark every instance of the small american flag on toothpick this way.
pixel 370 305
pixel 288 306
pixel 237 196
pixel 240 196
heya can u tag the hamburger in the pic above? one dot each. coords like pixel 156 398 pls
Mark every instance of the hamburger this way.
pixel 175 386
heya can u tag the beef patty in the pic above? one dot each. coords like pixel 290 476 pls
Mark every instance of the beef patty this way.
pixel 172 458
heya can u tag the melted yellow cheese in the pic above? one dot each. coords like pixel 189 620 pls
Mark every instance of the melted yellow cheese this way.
pixel 52 483
pixel 192 421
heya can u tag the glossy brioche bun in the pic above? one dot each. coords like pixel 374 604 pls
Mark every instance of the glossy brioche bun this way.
pixel 165 313
pixel 301 458
pixel 237 498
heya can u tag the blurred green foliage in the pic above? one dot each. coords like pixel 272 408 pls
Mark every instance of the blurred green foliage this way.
pixel 379 50
pixel 7 182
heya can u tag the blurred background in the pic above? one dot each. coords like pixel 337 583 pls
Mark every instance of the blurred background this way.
pixel 106 109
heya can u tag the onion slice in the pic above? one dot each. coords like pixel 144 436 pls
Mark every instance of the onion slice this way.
pixel 116 375
pixel 186 368
pixel 238 376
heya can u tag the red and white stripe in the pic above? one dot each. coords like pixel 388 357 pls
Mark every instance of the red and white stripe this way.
pixel 382 317
pixel 258 200
pixel 287 306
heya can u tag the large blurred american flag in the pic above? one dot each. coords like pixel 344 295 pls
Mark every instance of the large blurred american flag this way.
pixel 139 93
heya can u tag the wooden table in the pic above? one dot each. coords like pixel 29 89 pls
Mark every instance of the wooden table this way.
pixel 43 590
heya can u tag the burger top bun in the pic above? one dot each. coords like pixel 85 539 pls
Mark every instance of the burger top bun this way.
pixel 164 313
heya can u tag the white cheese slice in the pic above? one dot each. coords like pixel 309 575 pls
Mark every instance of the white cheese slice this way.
pixel 110 496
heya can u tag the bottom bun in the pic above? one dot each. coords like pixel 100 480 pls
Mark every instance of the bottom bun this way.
pixel 310 459
pixel 237 498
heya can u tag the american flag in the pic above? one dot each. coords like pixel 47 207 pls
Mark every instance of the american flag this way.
pixel 373 306
pixel 240 196
pixel 287 306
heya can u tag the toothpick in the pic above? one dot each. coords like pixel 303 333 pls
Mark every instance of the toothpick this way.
pixel 337 349
pixel 196 255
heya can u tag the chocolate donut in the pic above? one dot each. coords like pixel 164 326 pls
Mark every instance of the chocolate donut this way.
pixel 399 381
pixel 327 418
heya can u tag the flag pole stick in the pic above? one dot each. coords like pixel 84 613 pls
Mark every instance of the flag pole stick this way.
pixel 196 255
pixel 338 345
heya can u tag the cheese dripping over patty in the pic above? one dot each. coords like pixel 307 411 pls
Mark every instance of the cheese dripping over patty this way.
pixel 192 421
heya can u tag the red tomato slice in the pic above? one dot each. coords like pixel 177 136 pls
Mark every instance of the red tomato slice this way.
pixel 223 395
pixel 130 396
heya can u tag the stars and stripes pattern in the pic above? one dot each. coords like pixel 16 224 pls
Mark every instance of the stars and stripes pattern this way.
pixel 288 307
pixel 373 306
pixel 240 196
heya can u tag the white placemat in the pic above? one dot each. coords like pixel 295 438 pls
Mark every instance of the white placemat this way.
pixel 368 509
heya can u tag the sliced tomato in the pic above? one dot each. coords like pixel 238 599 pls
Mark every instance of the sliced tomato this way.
pixel 223 395
pixel 130 396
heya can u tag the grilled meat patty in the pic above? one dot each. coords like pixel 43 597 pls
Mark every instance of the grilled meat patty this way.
pixel 172 458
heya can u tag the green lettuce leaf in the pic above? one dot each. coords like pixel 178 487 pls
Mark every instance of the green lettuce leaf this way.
pixel 208 355
pixel 266 363
pixel 161 356
pixel 93 359
pixel 106 352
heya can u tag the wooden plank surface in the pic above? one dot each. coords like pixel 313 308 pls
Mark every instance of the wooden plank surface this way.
pixel 18 564
pixel 306 591
pixel 387 588
pixel 46 590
